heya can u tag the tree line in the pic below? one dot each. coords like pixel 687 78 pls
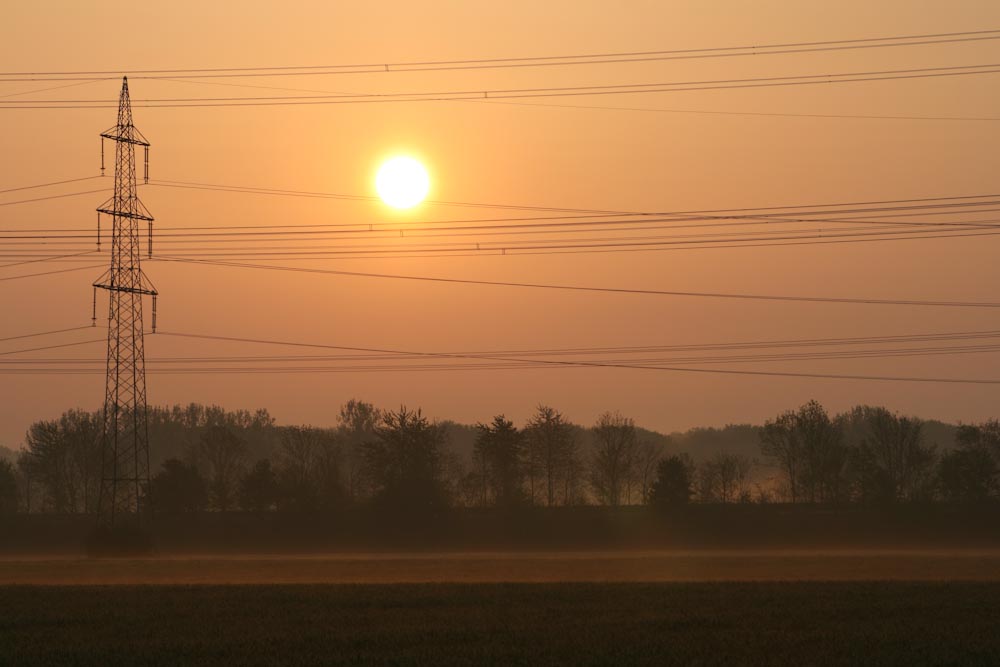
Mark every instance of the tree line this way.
pixel 866 455
pixel 399 461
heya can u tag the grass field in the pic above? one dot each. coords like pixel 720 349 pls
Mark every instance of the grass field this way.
pixel 804 623
pixel 525 567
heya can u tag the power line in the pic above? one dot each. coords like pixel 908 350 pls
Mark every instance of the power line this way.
pixel 553 105
pixel 509 363
pixel 52 347
pixel 521 93
pixel 939 336
pixel 46 185
pixel 773 114
pixel 923 206
pixel 209 256
pixel 42 333
pixel 583 245
pixel 288 232
pixel 592 212
pixel 629 350
pixel 49 273
pixel 471 250
pixel 52 258
pixel 618 365
pixel 540 61
pixel 62 196
pixel 206 255
pixel 849 116
pixel 280 246
pixel 607 290
pixel 45 90
pixel 620 230
pixel 331 195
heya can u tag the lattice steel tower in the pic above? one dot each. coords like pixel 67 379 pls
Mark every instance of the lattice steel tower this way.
pixel 125 437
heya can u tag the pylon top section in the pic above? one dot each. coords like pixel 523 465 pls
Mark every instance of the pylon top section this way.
pixel 125 131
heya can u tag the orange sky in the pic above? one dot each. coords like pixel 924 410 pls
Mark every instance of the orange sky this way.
pixel 516 154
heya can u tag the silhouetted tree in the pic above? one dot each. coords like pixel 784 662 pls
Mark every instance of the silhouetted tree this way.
pixel 63 458
pixel 725 478
pixel 969 474
pixel 474 488
pixel 574 482
pixel 299 454
pixel 806 446
pixel 891 462
pixel 8 487
pixel 405 463
pixel 552 454
pixel 499 454
pixel 356 426
pixel 175 432
pixel 454 478
pixel 985 435
pixel 327 473
pixel 674 479
pixel 178 488
pixel 643 473
pixel 23 466
pixel 781 442
pixel 221 454
pixel 614 457
pixel 259 488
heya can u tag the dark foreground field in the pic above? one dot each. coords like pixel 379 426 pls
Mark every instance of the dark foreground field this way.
pixel 511 567
pixel 573 623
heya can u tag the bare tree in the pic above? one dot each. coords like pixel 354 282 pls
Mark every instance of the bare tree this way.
pixel 299 454
pixel 356 426
pixel 614 457
pixel 259 488
pixel 643 475
pixel 971 472
pixel 552 452
pixel 574 491
pixel 891 462
pixel 985 435
pixel 781 442
pixel 327 474
pixel 8 487
pixel 806 445
pixel 221 455
pixel 63 459
pixel 725 478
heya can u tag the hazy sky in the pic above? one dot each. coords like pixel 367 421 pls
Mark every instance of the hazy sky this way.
pixel 549 156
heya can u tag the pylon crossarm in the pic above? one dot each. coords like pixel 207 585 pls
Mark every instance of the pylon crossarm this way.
pixel 114 134
pixel 127 214
pixel 129 290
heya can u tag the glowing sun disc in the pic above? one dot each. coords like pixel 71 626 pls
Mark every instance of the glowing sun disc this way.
pixel 402 182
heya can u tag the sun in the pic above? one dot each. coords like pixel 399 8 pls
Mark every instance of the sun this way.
pixel 402 182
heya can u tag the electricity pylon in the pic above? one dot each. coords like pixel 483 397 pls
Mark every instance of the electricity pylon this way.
pixel 125 437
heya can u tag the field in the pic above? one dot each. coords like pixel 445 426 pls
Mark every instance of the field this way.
pixel 569 623
pixel 514 567
pixel 721 607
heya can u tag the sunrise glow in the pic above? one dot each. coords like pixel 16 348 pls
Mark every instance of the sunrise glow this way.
pixel 402 182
